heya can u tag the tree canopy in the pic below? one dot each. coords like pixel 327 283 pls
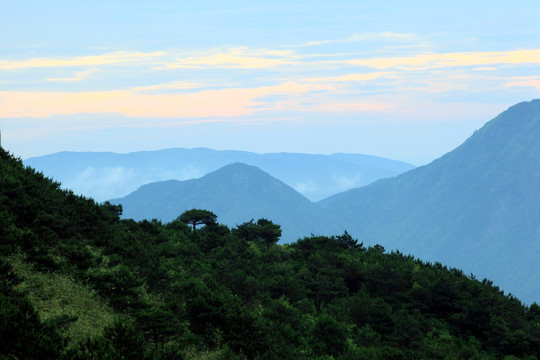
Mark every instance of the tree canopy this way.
pixel 263 231
pixel 196 217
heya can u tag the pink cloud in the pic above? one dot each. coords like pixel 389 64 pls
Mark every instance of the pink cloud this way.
pixel 206 103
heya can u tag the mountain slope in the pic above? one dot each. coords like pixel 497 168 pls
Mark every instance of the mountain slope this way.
pixel 109 175
pixel 477 207
pixel 236 193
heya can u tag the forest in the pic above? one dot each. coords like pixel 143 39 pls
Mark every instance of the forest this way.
pixel 77 282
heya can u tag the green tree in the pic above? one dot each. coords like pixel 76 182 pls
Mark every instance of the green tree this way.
pixel 263 231
pixel 268 232
pixel 329 336
pixel 282 330
pixel 120 341
pixel 22 334
pixel 196 217
pixel 159 325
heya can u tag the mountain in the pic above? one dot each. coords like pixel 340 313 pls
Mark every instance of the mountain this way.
pixel 477 207
pixel 374 162
pixel 110 175
pixel 236 193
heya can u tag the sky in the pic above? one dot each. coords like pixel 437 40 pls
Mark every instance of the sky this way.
pixel 404 80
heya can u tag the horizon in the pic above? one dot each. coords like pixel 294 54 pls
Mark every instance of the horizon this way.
pixel 407 84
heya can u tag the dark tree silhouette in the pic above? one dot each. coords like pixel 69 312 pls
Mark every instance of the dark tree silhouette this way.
pixel 196 217
pixel 263 231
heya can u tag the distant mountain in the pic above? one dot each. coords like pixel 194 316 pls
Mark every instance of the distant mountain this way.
pixel 374 162
pixel 477 207
pixel 110 175
pixel 236 193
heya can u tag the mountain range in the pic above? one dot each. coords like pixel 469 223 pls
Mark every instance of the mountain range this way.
pixel 476 208
pixel 105 175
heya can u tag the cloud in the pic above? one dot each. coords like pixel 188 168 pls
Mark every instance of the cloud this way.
pixel 226 103
pixel 525 81
pixel 302 86
pixel 207 103
pixel 484 69
pixel 239 58
pixel 307 187
pixel 428 61
pixel 176 85
pixel 360 77
pixel 364 37
pixel 344 182
pixel 353 107
pixel 103 183
pixel 80 76
pixel 105 59
pixel 245 58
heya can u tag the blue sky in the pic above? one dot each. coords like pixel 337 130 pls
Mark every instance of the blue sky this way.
pixel 408 82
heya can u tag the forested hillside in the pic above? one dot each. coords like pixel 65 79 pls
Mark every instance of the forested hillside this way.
pixel 79 283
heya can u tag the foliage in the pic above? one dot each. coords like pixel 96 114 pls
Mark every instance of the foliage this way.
pixel 263 231
pixel 196 217
pixel 22 334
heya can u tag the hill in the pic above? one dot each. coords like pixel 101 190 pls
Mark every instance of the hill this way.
pixel 104 176
pixel 477 207
pixel 76 282
pixel 237 193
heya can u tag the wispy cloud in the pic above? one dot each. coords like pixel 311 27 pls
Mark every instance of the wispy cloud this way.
pixel 246 58
pixel 525 81
pixel 286 80
pixel 352 107
pixel 364 37
pixel 434 60
pixel 357 77
pixel 217 103
pixel 94 60
pixel 79 76
pixel 175 85
pixel 238 58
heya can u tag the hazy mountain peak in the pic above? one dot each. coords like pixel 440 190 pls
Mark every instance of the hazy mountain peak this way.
pixel 236 193
pixel 519 122
pixel 477 207
pixel 237 168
